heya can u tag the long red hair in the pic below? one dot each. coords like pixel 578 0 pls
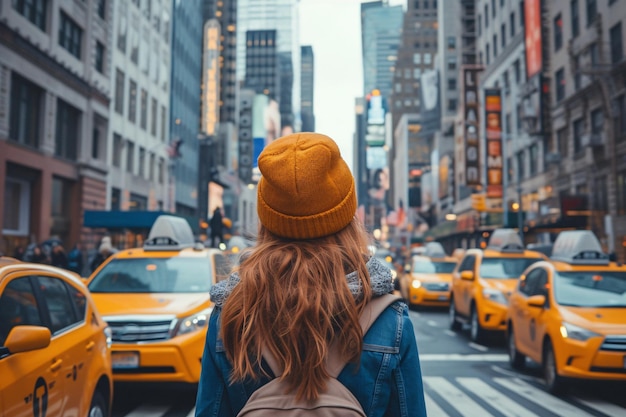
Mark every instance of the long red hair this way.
pixel 293 299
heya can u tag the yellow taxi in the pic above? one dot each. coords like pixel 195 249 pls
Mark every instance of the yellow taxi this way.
pixel 156 301
pixel 55 348
pixel 569 314
pixel 483 280
pixel 428 277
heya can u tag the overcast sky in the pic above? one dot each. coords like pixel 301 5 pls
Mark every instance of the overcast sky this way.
pixel 333 29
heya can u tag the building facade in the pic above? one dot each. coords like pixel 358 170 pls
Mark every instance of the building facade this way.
pixel 307 74
pixel 55 89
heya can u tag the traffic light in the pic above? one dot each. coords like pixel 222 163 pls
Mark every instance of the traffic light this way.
pixel 479 202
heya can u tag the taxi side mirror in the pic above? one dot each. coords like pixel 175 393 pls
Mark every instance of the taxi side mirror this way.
pixel 467 275
pixel 536 301
pixel 27 338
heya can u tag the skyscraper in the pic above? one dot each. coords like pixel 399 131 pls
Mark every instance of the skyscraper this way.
pixel 307 74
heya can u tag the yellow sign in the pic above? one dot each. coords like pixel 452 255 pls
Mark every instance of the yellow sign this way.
pixel 211 77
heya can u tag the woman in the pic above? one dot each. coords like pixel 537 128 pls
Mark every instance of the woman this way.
pixel 303 287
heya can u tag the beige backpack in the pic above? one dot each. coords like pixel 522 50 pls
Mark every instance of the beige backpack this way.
pixel 274 400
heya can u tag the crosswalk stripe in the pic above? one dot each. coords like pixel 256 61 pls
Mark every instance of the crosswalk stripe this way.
pixel 540 397
pixel 455 397
pixel 603 407
pixel 432 409
pixel 497 399
pixel 149 410
pixel 473 357
pixel 192 413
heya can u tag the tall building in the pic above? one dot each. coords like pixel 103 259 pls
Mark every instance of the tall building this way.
pixel 55 89
pixel 186 64
pixel 283 17
pixel 307 73
pixel 262 63
pixel 381 29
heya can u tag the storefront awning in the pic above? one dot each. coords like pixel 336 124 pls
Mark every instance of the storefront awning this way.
pixel 121 219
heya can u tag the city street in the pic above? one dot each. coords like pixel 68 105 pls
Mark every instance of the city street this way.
pixel 461 379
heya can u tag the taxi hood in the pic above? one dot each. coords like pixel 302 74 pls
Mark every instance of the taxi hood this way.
pixel 177 304
pixel 602 320
pixel 507 286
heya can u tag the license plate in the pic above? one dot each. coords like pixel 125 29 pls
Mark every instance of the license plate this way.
pixel 125 360
pixel 443 297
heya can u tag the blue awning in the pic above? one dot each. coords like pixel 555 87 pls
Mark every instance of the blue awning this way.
pixel 121 219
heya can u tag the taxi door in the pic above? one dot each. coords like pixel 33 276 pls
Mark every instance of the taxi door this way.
pixel 76 338
pixel 33 381
pixel 464 288
pixel 538 316
pixel 526 320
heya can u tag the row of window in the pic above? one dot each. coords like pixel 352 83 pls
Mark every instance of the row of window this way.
pixel 143 163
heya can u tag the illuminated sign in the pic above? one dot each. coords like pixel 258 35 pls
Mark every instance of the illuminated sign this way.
pixel 471 126
pixel 532 37
pixel 493 125
pixel 211 77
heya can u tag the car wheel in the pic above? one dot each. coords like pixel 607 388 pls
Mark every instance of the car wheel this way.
pixel 516 359
pixel 99 406
pixel 477 333
pixel 555 384
pixel 455 325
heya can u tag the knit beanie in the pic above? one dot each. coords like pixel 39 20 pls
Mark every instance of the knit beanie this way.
pixel 306 189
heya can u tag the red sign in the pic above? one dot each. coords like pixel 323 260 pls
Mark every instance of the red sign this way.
pixel 493 123
pixel 532 37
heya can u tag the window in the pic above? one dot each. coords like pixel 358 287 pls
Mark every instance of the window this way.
pixel 67 131
pixel 495 46
pixel 578 128
pixel 617 48
pixel 561 142
pixel 487 55
pixel 70 35
pixel 61 195
pixel 60 305
pixel 575 18
pixel 452 104
pixel 428 58
pixel 134 45
pixel 486 16
pixel 153 116
pixel 130 157
pixel 452 61
pixel 122 27
pixel 503 35
pixel 95 143
pixel 559 80
pixel 163 123
pixel 512 24
pixel 507 125
pixel 132 101
pixel 600 194
pixel 452 84
pixel 144 109
pixel 597 121
pixel 521 14
pixel 451 43
pixel 151 167
pixel 161 170
pixel 117 150
pixel 520 165
pixel 138 202
pixel 101 8
pixel 99 57
pixel 119 91
pixel 417 58
pixel 116 199
pixel 26 111
pixel 517 71
pixel 621 193
pixel 506 83
pixel 468 264
pixel 558 32
pixel 33 10
pixel 493 8
pixel 509 164
pixel 480 25
pixel 142 162
pixel 534 159
pixel 16 207
pixel 592 11
pixel 19 306
pixel 621 117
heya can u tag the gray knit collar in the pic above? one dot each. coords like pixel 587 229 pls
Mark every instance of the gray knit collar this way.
pixel 380 277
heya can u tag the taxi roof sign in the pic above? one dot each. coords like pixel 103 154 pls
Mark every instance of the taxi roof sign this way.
pixel 505 240
pixel 435 250
pixel 169 233
pixel 580 247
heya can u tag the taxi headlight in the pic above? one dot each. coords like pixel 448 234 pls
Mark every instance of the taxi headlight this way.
pixel 571 331
pixel 193 323
pixel 416 283
pixel 495 295
pixel 108 334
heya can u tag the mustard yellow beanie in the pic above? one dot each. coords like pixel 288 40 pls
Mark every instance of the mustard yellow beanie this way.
pixel 306 190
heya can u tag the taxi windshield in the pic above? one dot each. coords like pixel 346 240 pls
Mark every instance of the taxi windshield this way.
pixel 154 275
pixel 429 267
pixel 505 268
pixel 590 288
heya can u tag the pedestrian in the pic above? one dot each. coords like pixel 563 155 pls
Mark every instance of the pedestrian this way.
pixel 58 257
pixel 104 251
pixel 216 225
pixel 39 256
pixel 301 289
pixel 75 260
pixel 19 252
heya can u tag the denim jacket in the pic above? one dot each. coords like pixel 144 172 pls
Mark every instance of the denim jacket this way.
pixel 387 382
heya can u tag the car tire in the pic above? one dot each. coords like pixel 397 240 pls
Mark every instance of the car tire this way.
pixel 477 333
pixel 99 406
pixel 453 317
pixel 516 359
pixel 555 384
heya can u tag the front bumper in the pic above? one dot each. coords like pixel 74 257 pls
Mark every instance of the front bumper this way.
pixel 587 360
pixel 425 297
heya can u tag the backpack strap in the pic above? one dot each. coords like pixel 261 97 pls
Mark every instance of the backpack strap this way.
pixel 334 362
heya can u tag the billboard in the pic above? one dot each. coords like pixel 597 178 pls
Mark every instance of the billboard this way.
pixel 471 125
pixel 265 128
pixel 211 77
pixel 493 128
pixel 430 109
pixel 376 111
pixel 532 37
